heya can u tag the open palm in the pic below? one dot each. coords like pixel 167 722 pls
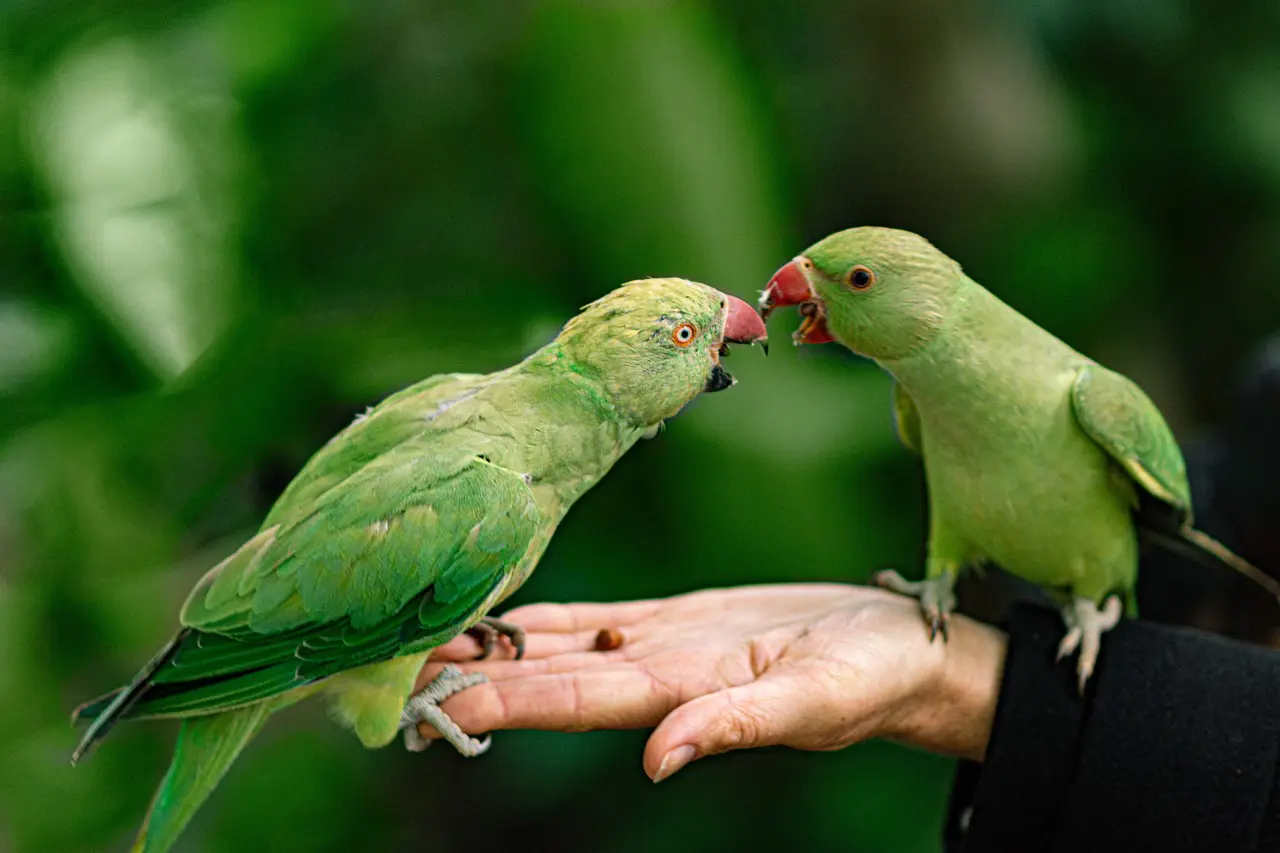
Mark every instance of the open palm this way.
pixel 810 666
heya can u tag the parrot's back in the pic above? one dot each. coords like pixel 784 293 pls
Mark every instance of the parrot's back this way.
pixel 404 529
pixel 401 532
pixel 255 627
pixel 146 696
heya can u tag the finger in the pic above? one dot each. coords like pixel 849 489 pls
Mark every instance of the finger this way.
pixel 763 713
pixel 572 618
pixel 545 645
pixel 461 648
pixel 614 697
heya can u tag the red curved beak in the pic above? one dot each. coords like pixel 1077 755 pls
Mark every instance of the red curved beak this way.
pixel 790 286
pixel 743 325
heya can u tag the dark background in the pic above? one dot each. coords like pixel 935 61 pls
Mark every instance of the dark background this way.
pixel 227 227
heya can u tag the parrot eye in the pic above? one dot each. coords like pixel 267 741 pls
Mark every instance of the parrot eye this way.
pixel 860 277
pixel 683 334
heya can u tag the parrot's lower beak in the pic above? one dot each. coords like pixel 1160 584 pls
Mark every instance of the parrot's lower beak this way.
pixel 718 380
pixel 790 286
pixel 742 325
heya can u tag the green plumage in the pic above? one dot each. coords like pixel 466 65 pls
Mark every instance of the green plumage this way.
pixel 404 530
pixel 1036 457
pixel 206 748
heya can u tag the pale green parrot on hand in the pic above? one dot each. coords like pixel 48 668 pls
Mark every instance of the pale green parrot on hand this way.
pixel 406 528
pixel 1037 458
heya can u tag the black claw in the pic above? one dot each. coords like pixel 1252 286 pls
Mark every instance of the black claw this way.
pixel 491 629
pixel 486 636
pixel 764 345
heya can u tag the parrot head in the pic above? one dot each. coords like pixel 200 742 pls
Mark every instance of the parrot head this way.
pixel 657 343
pixel 879 291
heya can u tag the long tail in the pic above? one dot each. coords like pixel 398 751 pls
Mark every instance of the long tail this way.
pixel 205 749
pixel 121 700
pixel 1207 551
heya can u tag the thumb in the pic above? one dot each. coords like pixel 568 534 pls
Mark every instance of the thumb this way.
pixel 763 713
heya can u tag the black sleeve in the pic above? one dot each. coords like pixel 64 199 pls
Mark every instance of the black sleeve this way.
pixel 1174 747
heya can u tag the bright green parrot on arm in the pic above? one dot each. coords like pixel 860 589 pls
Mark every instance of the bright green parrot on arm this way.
pixel 406 528
pixel 1036 457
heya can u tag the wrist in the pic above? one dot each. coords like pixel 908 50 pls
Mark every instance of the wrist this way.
pixel 954 711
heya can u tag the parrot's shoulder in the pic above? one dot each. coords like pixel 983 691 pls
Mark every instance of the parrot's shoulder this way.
pixel 1114 412
pixel 432 391
pixel 907 419
pixel 405 522
pixel 437 394
pixel 402 417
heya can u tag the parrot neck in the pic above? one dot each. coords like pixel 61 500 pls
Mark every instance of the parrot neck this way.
pixel 978 355
pixel 624 388
pixel 595 433
pixel 973 314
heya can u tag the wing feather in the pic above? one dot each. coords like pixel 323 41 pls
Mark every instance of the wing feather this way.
pixel 1122 420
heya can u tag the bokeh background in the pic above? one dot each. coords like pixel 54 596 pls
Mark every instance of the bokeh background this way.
pixel 227 226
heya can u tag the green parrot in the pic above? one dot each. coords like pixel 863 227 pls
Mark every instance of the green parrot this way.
pixel 1037 458
pixel 406 528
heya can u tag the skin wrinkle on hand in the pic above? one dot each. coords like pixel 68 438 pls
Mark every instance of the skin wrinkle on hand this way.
pixel 668 694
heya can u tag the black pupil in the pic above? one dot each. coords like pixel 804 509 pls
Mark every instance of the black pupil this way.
pixel 861 278
pixel 685 333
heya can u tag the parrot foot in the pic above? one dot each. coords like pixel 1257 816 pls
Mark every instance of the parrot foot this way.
pixel 1086 623
pixel 486 633
pixel 937 597
pixel 424 707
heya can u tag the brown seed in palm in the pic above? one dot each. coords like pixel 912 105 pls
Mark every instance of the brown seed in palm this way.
pixel 608 639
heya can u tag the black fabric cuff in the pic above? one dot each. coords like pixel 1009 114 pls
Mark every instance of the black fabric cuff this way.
pixel 1174 747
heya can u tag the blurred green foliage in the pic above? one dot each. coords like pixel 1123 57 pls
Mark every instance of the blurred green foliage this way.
pixel 227 226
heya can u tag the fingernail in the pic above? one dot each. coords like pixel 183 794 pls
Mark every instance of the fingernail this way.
pixel 673 761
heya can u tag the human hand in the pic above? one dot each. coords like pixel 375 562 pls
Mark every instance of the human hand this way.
pixel 810 666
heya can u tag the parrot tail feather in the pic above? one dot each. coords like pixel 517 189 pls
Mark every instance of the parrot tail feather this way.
pixel 206 747
pixel 121 701
pixel 1207 551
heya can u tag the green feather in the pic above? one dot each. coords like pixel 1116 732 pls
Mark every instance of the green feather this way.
pixel 1037 458
pixel 1114 412
pixel 906 419
pixel 405 528
pixel 205 749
